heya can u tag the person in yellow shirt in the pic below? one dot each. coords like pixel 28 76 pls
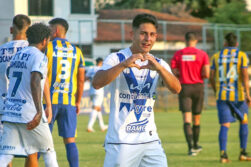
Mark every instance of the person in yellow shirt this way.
pixel 229 80
pixel 66 80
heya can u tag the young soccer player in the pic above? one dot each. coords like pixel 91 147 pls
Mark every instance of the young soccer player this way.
pixel 230 82
pixel 133 73
pixel 66 80
pixel 26 130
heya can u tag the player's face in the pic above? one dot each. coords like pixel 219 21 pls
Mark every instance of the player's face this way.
pixel 144 38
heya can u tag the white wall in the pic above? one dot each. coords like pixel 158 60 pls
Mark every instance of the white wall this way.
pixel 248 5
pixel 84 24
pixel 6 9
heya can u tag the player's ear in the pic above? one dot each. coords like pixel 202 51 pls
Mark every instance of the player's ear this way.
pixel 131 34
pixel 11 30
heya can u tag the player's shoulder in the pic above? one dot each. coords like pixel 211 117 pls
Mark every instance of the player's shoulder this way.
pixel 78 50
pixel 7 44
pixel 242 53
pixel 217 54
pixel 202 52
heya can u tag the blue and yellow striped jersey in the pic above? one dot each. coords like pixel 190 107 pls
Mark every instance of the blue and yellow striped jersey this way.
pixel 64 60
pixel 228 78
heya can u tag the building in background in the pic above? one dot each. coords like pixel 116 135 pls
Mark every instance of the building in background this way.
pixel 79 13
pixel 114 26
pixel 248 5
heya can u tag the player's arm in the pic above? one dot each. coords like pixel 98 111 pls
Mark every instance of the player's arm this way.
pixel 80 87
pixel 176 72
pixel 35 85
pixel 205 72
pixel 104 77
pixel 47 98
pixel 212 79
pixel 245 81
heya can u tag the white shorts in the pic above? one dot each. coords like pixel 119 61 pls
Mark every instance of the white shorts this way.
pixel 140 155
pixel 97 99
pixel 17 140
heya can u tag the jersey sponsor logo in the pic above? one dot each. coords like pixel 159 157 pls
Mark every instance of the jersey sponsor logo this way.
pixel 188 57
pixel 10 50
pixel 19 60
pixel 136 96
pixel 18 64
pixel 140 87
pixel 7 147
pixel 137 127
pixel 60 86
pixel 226 60
pixel 64 54
pixel 5 58
pixel 66 49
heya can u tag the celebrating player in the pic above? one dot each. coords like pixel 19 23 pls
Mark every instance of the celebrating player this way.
pixel 97 97
pixel 26 130
pixel 191 66
pixel 133 73
pixel 229 79
pixel 66 80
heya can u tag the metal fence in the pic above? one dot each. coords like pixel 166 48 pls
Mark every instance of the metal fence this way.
pixel 171 38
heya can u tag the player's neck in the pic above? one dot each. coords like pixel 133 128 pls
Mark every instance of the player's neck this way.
pixel 60 35
pixel 19 37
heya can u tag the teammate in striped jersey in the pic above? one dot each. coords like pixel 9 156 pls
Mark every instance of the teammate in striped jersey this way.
pixel 229 79
pixel 66 79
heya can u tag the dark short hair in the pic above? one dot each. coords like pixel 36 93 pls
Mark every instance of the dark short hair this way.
pixel 231 39
pixel 20 21
pixel 190 36
pixel 37 33
pixel 144 18
pixel 99 59
pixel 61 22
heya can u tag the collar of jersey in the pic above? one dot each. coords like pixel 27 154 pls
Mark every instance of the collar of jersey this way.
pixel 61 39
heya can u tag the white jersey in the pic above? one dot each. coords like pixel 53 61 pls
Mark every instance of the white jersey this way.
pixel 90 74
pixel 7 51
pixel 133 94
pixel 19 106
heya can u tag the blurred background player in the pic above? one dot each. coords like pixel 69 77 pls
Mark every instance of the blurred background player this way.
pixel 26 129
pixel 132 138
pixel 191 66
pixel 66 79
pixel 230 82
pixel 20 24
pixel 97 96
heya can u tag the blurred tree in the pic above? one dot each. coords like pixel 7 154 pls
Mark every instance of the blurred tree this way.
pixel 214 10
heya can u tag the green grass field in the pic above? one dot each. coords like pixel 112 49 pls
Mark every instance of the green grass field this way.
pixel 91 152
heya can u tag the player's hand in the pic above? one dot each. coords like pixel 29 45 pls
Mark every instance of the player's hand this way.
pixel 77 108
pixel 130 62
pixel 248 99
pixel 48 113
pixel 35 122
pixel 152 63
